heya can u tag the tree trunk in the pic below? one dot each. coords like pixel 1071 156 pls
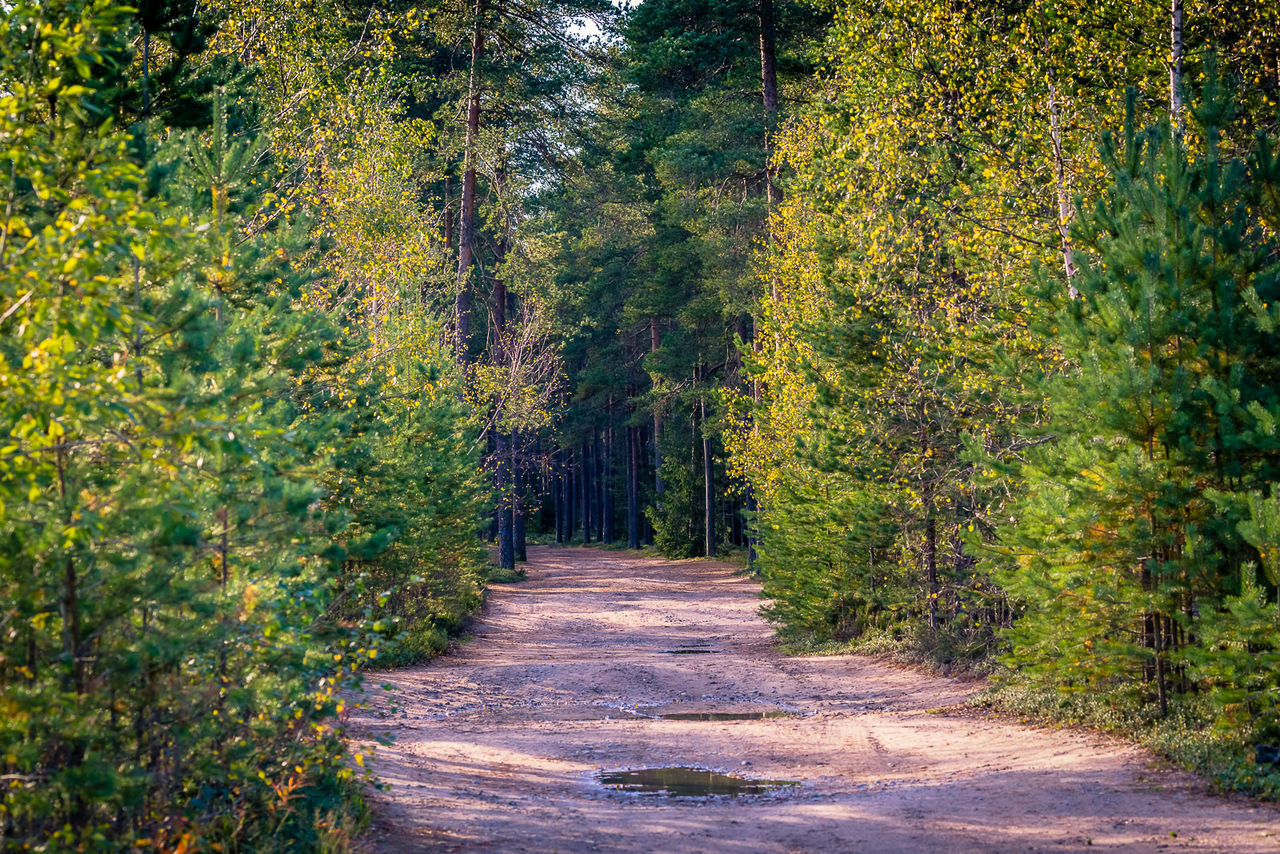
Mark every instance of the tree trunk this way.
pixel 597 451
pixel 584 484
pixel 607 532
pixel 146 73
pixel 633 487
pixel 502 477
pixel 570 500
pixel 1065 213
pixel 518 539
pixel 769 87
pixel 448 214
pixel 931 566
pixel 1175 63
pixel 466 225
pixel 709 518
pixel 504 442
pixel 655 339
pixel 557 499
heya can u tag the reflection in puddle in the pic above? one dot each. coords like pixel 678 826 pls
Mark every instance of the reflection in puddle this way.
pixel 684 782
pixel 724 716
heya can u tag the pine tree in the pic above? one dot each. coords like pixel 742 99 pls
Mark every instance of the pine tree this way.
pixel 1119 553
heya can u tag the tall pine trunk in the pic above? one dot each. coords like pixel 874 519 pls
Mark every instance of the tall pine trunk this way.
pixel 607 477
pixel 597 451
pixel 1176 51
pixel 518 525
pixel 466 216
pixel 931 567
pixel 504 450
pixel 1061 185
pixel 633 487
pixel 557 497
pixel 769 88
pixel 709 518
pixel 584 492
pixel 655 339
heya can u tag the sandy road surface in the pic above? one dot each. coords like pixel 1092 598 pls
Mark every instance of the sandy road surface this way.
pixel 497 745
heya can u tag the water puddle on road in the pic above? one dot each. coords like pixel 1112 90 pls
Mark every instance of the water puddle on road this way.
pixel 724 716
pixel 691 648
pixel 685 782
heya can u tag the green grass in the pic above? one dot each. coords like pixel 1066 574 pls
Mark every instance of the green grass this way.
pixel 498 575
pixel 936 651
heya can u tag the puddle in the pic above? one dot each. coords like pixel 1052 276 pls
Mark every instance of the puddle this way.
pixel 724 716
pixel 685 782
pixel 685 651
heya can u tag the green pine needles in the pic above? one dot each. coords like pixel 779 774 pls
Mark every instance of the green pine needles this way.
pixel 1134 553
pixel 220 495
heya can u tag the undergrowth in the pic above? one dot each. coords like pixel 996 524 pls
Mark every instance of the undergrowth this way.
pixel 934 650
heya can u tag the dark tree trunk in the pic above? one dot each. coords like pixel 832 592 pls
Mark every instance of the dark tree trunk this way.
pixel 504 442
pixel 633 487
pixel 607 477
pixel 519 543
pixel 931 567
pixel 571 499
pixel 646 523
pixel 769 88
pixel 597 452
pixel 655 340
pixel 708 483
pixel 1176 54
pixel 466 226
pixel 502 476
pixel 557 499
pixel 584 490
pixel 448 214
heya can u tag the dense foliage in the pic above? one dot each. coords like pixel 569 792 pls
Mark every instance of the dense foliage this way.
pixel 234 456
pixel 1017 368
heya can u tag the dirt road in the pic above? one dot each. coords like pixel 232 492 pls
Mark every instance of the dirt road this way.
pixel 500 744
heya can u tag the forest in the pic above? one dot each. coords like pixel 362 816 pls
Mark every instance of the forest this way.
pixel 955 322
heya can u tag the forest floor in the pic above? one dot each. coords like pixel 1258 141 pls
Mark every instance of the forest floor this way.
pixel 498 745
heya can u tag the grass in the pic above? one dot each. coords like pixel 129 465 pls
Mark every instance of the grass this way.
pixel 935 651
pixel 498 575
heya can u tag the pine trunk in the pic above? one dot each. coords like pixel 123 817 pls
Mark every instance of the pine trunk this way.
pixel 519 542
pixel 633 487
pixel 1176 51
pixel 584 505
pixel 502 478
pixel 557 499
pixel 769 88
pixel 931 566
pixel 655 339
pixel 608 532
pixel 1065 214
pixel 709 519
pixel 466 226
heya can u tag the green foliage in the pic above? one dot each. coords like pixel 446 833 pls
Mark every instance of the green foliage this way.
pixel 217 490
pixel 1014 388
pixel 1128 543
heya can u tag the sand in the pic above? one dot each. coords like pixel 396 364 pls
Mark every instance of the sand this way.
pixel 498 744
